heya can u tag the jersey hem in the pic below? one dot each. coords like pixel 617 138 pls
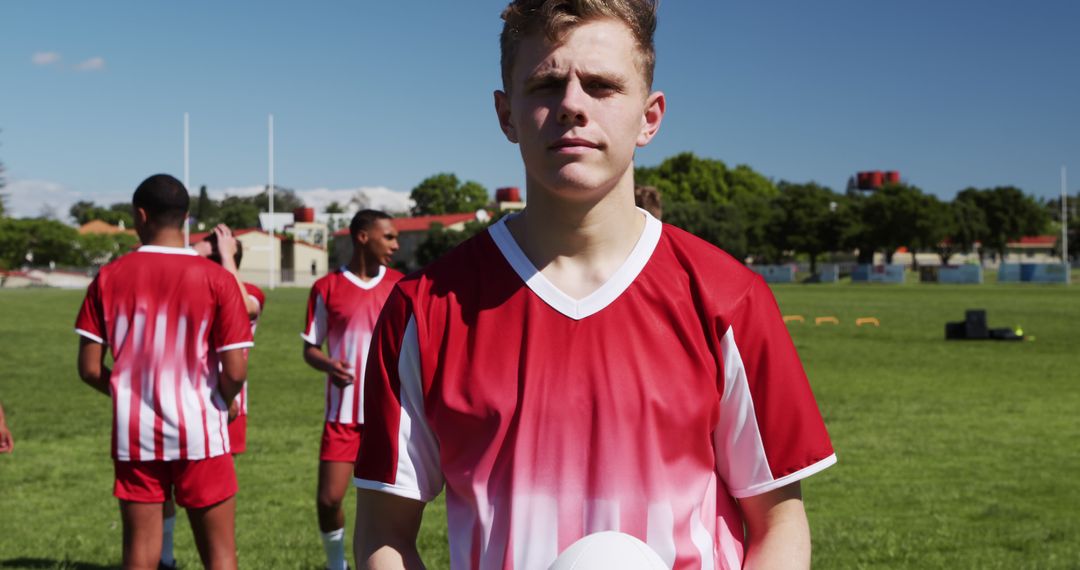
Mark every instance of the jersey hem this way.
pixel 90 336
pixel 785 480
pixel 128 459
pixel 406 492
pixel 229 347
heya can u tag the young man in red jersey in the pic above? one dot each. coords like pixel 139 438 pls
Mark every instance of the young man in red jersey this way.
pixel 581 367
pixel 176 327
pixel 342 310
pixel 221 247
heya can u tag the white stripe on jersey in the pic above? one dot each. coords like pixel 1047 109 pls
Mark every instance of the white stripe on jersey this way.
pixel 600 515
pixel 316 333
pixel 146 415
pixel 702 540
pixel 660 531
pixel 358 382
pixel 123 414
pixel 535 524
pixel 170 418
pixel 738 434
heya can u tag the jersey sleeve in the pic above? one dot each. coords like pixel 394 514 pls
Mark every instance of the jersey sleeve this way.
pixel 231 328
pixel 256 294
pixel 770 432
pixel 317 322
pixel 399 453
pixel 90 323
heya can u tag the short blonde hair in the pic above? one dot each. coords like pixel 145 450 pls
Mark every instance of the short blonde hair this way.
pixel 555 18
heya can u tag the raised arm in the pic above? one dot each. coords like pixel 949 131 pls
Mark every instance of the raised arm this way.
pixel 778 534
pixel 227 249
pixel 386 530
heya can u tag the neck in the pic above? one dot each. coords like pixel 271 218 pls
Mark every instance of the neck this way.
pixel 552 226
pixel 166 237
pixel 578 245
pixel 363 267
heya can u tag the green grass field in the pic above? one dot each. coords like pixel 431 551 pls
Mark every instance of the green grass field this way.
pixel 952 454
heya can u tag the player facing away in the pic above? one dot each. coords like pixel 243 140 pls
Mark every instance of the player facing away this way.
pixel 581 367
pixel 342 310
pixel 176 327
pixel 221 247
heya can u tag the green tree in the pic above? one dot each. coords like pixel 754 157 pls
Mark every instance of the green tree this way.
pixel 85 211
pixel 99 249
pixel 968 224
pixel 1010 215
pixel 334 208
pixel 238 212
pixel 687 178
pixel 43 240
pixel 206 209
pixel 443 193
pixel 285 200
pixel 891 214
pixel 440 240
pixel 806 220
pixel 729 207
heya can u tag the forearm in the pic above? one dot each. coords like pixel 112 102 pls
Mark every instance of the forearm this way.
pixel 233 374
pixel 99 381
pixel 785 545
pixel 317 359
pixel 777 532
pixel 250 305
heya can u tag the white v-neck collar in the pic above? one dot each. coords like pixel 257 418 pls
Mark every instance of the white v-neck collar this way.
pixel 578 309
pixel 166 249
pixel 360 282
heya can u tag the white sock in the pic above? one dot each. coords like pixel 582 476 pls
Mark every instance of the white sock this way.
pixel 334 544
pixel 167 541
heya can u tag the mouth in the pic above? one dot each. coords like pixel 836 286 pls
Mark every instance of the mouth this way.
pixel 571 145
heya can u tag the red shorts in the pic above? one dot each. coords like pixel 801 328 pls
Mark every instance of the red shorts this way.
pixel 195 484
pixel 238 434
pixel 340 442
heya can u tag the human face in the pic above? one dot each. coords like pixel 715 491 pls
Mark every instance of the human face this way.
pixel 579 109
pixel 380 241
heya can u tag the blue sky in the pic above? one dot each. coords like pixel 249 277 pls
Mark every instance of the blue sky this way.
pixel 382 94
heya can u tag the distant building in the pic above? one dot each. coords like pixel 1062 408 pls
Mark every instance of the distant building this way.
pixel 101 227
pixel 297 262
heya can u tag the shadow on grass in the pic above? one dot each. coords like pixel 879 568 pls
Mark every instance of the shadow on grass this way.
pixel 53 564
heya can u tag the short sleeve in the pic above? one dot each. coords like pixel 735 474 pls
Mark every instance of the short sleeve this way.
pixel 316 325
pixel 90 323
pixel 770 432
pixel 399 453
pixel 231 328
pixel 256 294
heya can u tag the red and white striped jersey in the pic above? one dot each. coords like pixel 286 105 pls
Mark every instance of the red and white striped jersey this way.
pixel 165 314
pixel 647 407
pixel 342 310
pixel 259 297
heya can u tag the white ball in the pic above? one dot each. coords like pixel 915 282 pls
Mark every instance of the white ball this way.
pixel 608 550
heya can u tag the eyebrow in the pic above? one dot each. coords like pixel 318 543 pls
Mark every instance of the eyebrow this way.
pixel 552 76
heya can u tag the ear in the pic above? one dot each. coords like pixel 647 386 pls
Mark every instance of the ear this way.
pixel 655 106
pixel 502 109
pixel 141 217
pixel 362 237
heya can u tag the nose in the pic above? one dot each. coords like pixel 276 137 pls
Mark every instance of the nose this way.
pixel 572 105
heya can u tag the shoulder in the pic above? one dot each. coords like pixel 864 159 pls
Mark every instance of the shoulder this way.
pixel 714 276
pixel 256 292
pixel 324 283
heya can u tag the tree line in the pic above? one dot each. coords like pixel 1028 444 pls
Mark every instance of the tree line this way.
pixel 736 208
